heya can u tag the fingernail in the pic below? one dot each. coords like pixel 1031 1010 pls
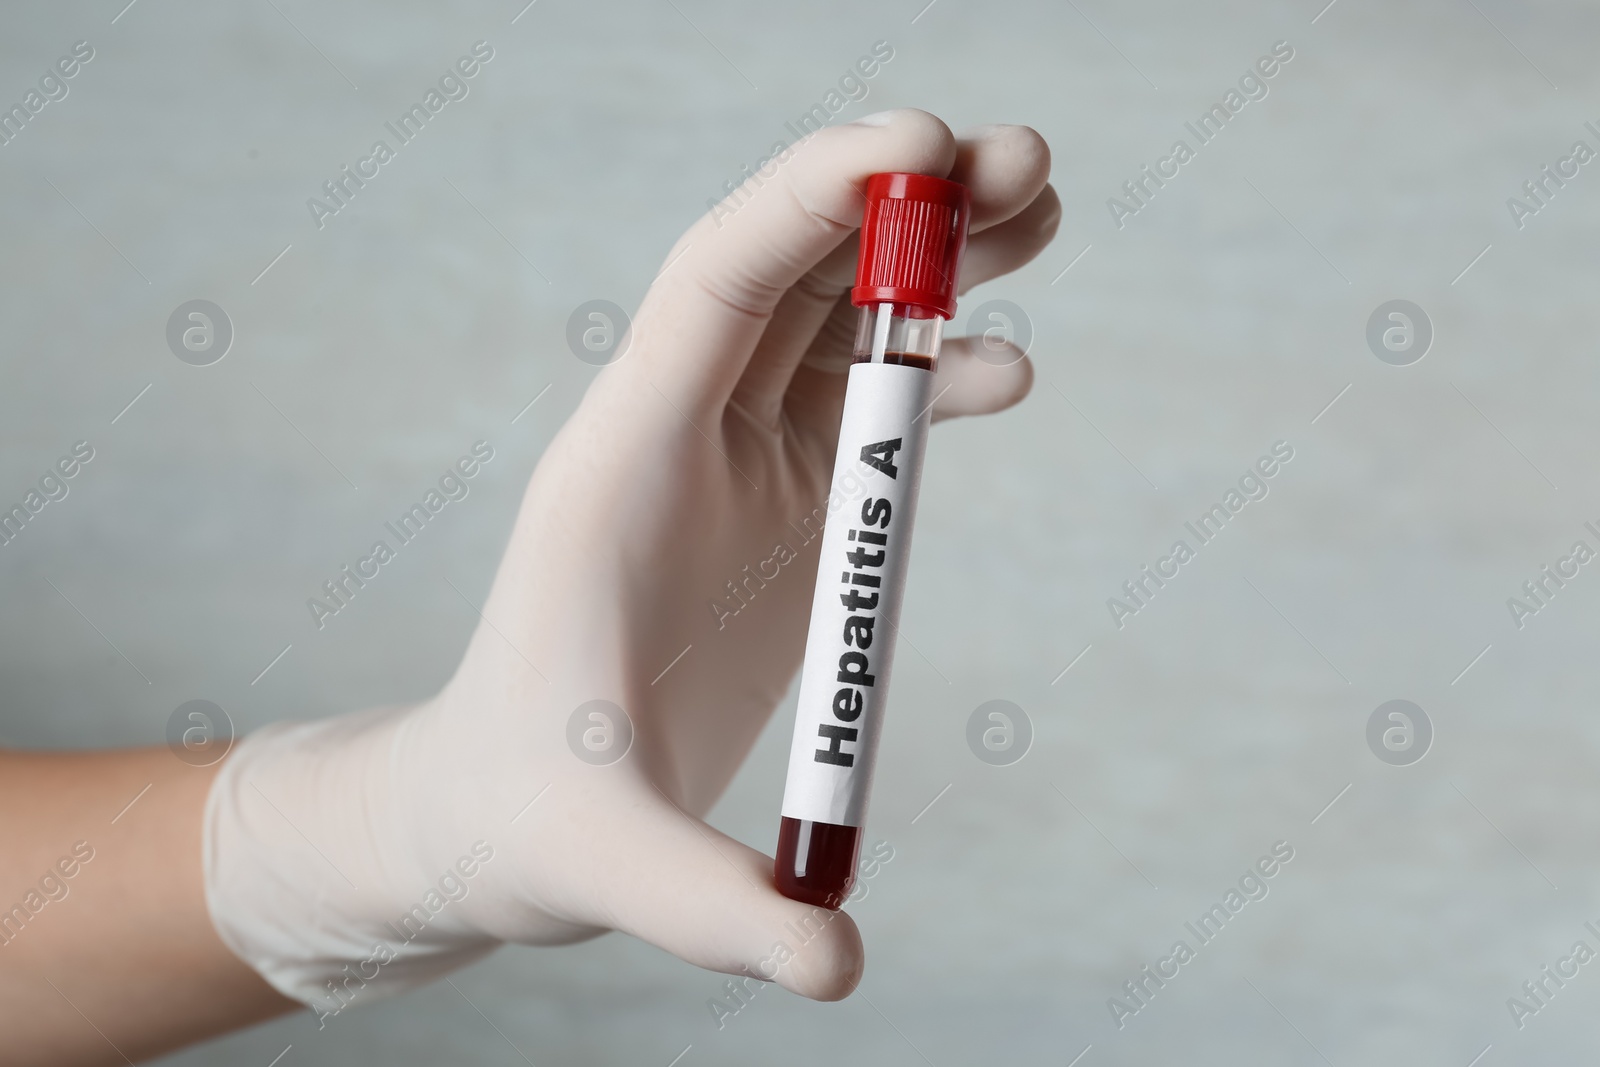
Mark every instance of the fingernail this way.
pixel 879 118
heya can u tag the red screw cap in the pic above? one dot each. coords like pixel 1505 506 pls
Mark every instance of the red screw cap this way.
pixel 912 237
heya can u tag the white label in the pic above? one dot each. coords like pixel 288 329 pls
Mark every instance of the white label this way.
pixel 855 611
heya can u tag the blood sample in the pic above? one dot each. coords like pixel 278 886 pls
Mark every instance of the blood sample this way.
pixel 913 233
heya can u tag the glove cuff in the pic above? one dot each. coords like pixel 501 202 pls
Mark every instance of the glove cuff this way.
pixel 310 874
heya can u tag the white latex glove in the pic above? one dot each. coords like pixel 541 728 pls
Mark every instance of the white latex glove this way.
pixel 687 460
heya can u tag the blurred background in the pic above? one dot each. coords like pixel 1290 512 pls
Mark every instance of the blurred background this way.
pixel 1439 859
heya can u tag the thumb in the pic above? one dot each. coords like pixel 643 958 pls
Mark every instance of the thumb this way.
pixel 710 900
pixel 978 377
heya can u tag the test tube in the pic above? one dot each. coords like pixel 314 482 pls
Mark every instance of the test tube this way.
pixel 913 233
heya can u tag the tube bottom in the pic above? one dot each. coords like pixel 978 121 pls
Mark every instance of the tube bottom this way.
pixel 816 861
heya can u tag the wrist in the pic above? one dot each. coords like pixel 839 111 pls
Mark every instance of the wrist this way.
pixel 313 873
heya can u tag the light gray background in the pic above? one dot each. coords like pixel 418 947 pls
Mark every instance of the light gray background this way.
pixel 1222 318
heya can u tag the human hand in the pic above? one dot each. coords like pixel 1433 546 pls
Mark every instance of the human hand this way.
pixel 704 450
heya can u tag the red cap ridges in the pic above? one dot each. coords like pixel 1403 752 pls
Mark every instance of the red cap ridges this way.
pixel 912 236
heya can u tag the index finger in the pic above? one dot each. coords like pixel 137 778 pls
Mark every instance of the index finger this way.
pixel 700 321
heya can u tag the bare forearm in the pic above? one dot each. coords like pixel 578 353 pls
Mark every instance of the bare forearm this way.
pixel 107 952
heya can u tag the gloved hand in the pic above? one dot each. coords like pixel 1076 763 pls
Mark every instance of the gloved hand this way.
pixel 372 852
